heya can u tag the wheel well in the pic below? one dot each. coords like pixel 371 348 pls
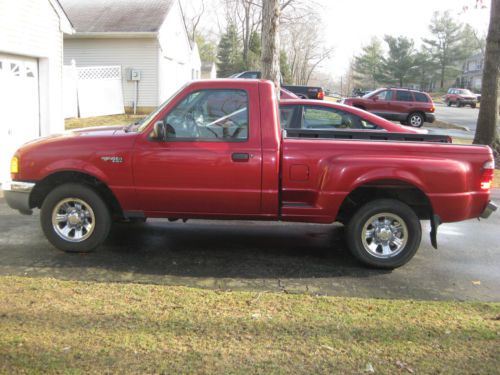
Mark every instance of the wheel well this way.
pixel 419 112
pixel 43 188
pixel 406 193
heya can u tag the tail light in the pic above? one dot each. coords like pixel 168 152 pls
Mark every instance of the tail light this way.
pixel 487 175
pixel 321 95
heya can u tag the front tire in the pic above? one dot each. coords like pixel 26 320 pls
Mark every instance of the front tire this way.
pixel 384 233
pixel 416 120
pixel 75 218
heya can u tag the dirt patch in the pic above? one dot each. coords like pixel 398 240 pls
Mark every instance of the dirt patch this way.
pixel 444 125
pixel 75 123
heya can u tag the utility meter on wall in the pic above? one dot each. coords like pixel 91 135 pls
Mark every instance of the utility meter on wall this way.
pixel 133 75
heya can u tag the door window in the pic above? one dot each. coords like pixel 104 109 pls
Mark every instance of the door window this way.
pixel 210 115
pixel 287 117
pixel 315 117
pixel 384 95
pixel 404 96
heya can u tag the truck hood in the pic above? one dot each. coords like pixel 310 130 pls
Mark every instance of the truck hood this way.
pixel 87 137
pixel 98 131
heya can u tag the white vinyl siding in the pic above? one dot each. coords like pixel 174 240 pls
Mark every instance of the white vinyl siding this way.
pixel 174 56
pixel 33 28
pixel 137 53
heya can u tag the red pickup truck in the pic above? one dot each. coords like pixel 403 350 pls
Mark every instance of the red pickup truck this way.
pixel 216 150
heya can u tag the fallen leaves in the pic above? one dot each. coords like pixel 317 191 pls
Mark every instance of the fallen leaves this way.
pixel 404 366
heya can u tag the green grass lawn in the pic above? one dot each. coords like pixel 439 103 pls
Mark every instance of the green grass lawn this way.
pixel 51 326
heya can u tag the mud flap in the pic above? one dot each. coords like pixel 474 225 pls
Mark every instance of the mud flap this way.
pixel 435 222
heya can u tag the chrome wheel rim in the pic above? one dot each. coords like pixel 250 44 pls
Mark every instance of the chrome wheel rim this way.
pixel 384 235
pixel 416 120
pixel 73 220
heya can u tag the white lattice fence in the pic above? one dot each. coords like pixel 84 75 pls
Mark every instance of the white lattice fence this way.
pixel 99 90
pixel 100 72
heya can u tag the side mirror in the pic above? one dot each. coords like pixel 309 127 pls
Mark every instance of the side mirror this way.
pixel 159 131
pixel 375 98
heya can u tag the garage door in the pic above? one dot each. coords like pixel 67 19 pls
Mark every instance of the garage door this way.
pixel 19 103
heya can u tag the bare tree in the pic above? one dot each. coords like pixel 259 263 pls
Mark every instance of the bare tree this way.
pixel 192 20
pixel 304 46
pixel 487 128
pixel 270 56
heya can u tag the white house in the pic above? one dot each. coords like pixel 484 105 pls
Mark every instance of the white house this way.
pixel 145 36
pixel 195 62
pixel 208 70
pixel 31 53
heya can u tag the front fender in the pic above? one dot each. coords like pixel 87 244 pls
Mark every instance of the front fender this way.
pixel 73 165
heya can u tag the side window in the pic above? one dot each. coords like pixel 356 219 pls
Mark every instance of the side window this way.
pixel 329 118
pixel 421 97
pixel 210 115
pixel 384 95
pixel 250 75
pixel 403 96
pixel 287 117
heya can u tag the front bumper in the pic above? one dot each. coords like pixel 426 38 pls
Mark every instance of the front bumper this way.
pixel 488 210
pixel 17 195
pixel 430 117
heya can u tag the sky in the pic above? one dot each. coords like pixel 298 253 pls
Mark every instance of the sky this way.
pixel 350 24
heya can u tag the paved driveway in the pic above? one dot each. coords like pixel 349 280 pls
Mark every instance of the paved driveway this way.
pixel 261 256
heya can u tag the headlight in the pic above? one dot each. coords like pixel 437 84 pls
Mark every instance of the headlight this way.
pixel 14 165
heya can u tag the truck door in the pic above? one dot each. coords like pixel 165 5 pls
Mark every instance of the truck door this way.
pixel 210 163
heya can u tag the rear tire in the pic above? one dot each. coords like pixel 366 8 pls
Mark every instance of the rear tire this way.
pixel 75 218
pixel 473 105
pixel 449 103
pixel 416 119
pixel 384 233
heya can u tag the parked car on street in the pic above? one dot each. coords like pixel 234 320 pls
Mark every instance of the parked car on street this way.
pixel 216 150
pixel 303 92
pixel 410 107
pixel 461 98
pixel 324 115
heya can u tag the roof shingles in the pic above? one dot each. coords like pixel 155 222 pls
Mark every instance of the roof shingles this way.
pixel 100 16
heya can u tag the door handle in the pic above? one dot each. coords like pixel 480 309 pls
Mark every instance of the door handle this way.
pixel 240 156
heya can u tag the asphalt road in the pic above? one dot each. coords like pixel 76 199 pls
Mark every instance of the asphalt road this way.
pixel 258 256
pixel 464 116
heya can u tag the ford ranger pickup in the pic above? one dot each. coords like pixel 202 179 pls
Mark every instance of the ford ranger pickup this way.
pixel 216 150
